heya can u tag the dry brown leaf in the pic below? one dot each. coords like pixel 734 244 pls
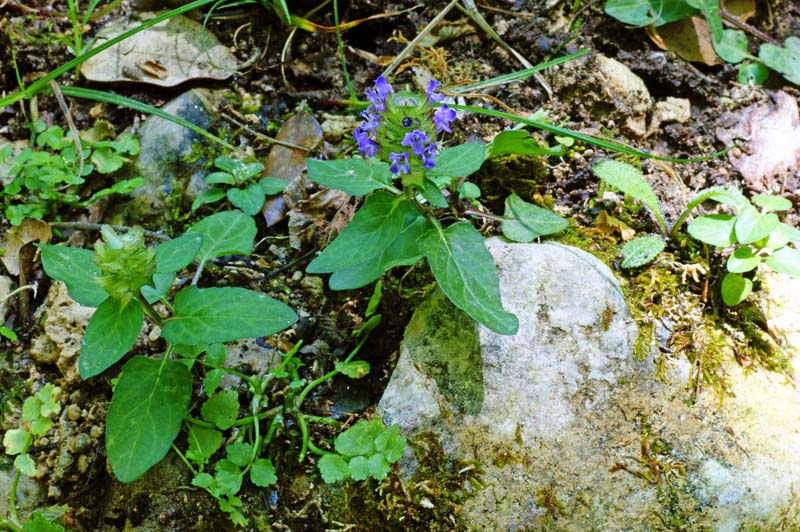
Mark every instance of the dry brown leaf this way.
pixel 610 225
pixel 16 238
pixel 690 38
pixel 741 9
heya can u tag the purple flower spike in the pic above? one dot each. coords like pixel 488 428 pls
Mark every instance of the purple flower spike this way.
pixel 399 162
pixel 371 121
pixel 433 97
pixel 443 117
pixel 429 156
pixel 366 146
pixel 416 140
pixel 376 102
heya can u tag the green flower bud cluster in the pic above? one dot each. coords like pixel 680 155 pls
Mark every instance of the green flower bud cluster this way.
pixel 126 263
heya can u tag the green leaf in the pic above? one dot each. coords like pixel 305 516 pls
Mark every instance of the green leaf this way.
pixel 48 397
pixel 743 260
pixel 16 441
pixel 224 233
pixel 360 438
pixel 771 203
pixel 785 59
pixel 355 369
pixel 218 315
pixel 378 466
pixel 222 409
pixel 333 468
pixel 25 465
pixel 250 199
pixel 177 253
pixel 732 48
pixel 262 473
pixel 404 251
pixel 785 260
pixel 107 161
pixel 77 270
pixel 525 222
pixel 40 426
pixel 228 479
pixel 39 523
pixel 111 332
pixel 648 12
pixel 752 226
pixel 272 185
pixel 212 380
pixel 714 229
pixel 212 195
pixel 239 453
pixel 219 178
pixel 631 181
pixel 150 401
pixel 229 164
pixel 390 444
pixel 373 228
pixel 459 161
pixel 735 289
pixel 469 190
pixel 203 443
pixel 359 468
pixel 642 250
pixel 519 142
pixel 31 408
pixel 162 282
pixel 432 194
pixel 357 177
pixel 52 137
pixel 466 274
pixel 124 186
pixel 752 73
pixel 216 355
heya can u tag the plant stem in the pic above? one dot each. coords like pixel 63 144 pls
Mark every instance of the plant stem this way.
pixel 12 502
pixel 350 88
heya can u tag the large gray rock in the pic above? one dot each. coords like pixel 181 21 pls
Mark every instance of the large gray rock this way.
pixel 570 432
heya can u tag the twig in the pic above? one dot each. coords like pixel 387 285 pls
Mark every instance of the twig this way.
pixel 85 226
pixel 265 138
pixel 76 138
pixel 734 21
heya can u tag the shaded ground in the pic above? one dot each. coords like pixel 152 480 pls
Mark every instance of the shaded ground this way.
pixel 309 75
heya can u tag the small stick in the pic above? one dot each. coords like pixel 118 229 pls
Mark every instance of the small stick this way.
pixel 84 226
pixel 76 138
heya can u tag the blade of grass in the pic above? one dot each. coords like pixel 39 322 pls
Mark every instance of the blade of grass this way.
pixel 596 141
pixel 116 99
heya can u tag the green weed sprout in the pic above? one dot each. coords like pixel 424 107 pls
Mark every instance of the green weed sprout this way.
pixel 49 173
pixel 412 184
pixel 755 233
pixel 236 181
pixel 38 412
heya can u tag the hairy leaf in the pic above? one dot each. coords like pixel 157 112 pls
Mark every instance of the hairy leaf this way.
pixel 111 332
pixel 642 250
pixel 76 269
pixel 357 177
pixel 631 181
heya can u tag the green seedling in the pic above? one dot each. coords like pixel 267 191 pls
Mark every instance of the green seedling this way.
pixel 38 412
pixel 236 180
pixel 730 45
pixel 755 233
pixel 367 449
pixel 50 172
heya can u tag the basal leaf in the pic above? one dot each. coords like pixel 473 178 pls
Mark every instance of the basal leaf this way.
pixel 75 267
pixel 358 439
pixel 211 195
pixel 217 315
pixel 376 225
pixel 772 203
pixel 642 250
pixel 359 468
pixel 249 200
pixel 177 253
pixel 752 226
pixel 785 260
pixel 713 229
pixel 333 468
pixel 203 443
pixel 355 176
pixel 784 59
pixel 518 142
pixel 354 369
pixel 224 233
pixel 648 12
pixel 262 473
pixel 239 453
pixel 466 274
pixel 732 48
pixel 404 251
pixel 150 401
pixel 743 260
pixel 16 441
pixel 735 289
pixel 391 444
pixel 459 161
pixel 525 222
pixel 107 161
pixel 111 332
pixel 378 466
pixel 630 180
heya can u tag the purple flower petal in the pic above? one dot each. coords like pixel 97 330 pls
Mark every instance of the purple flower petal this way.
pixel 429 156
pixel 366 146
pixel 433 97
pixel 399 163
pixel 382 87
pixel 443 117
pixel 416 140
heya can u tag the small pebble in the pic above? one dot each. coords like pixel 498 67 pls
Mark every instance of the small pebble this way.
pixel 96 431
pixel 73 412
